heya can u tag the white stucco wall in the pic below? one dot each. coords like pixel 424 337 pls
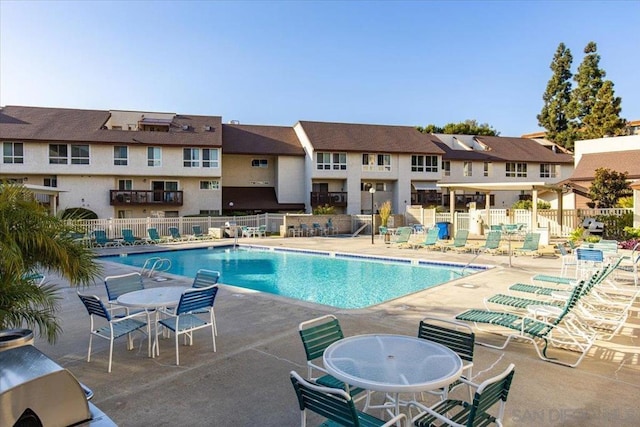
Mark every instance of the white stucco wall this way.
pixel 290 187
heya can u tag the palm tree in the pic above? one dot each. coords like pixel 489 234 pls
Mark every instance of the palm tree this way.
pixel 31 240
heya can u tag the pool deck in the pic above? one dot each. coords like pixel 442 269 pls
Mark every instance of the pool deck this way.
pixel 246 381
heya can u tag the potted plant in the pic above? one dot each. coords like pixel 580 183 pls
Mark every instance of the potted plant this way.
pixel 385 213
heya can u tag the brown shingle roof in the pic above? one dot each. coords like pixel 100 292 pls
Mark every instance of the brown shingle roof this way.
pixel 508 149
pixel 619 161
pixel 61 124
pixel 369 138
pixel 250 139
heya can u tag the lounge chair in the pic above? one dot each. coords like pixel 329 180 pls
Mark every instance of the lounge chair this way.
pixel 154 236
pixel 460 241
pixel 402 237
pixel 100 239
pixel 197 233
pixel 176 236
pixel 129 239
pixel 261 231
pixel 430 239
pixel 568 260
pixel 459 413
pixel 562 331
pixel 530 246
pixel 492 242
pixel 334 404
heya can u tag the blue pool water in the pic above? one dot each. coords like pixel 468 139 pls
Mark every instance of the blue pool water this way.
pixel 338 280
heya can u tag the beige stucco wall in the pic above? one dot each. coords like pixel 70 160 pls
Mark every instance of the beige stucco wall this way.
pixel 239 173
pixel 290 187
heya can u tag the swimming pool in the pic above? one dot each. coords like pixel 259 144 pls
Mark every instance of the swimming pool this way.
pixel 334 279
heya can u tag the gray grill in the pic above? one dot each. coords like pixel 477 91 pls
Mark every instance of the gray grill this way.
pixel 36 391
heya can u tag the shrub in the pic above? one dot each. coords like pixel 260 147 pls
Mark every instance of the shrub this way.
pixel 528 204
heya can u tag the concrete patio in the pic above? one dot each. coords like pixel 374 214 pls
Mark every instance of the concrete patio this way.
pixel 246 381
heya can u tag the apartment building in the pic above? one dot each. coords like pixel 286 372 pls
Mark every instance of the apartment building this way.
pixel 116 163
pixel 504 168
pixel 149 164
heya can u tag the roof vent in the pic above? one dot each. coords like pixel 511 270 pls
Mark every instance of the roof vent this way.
pixel 207 128
pixel 185 127
pixel 234 122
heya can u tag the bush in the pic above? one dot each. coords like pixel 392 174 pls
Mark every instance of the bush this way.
pixel 614 225
pixel 528 204
pixel 324 210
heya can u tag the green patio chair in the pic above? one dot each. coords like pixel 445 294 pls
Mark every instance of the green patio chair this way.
pixel 460 241
pixel 176 236
pixel 457 336
pixel 469 414
pixel 530 245
pixel 334 404
pixel 430 239
pixel 562 331
pixel 317 334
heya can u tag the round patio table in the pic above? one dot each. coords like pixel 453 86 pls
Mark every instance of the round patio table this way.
pixel 393 364
pixel 153 299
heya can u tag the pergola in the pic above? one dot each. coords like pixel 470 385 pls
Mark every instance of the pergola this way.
pixel 50 194
pixel 489 187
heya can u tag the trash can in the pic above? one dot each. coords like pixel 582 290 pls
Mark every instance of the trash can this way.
pixel 444 230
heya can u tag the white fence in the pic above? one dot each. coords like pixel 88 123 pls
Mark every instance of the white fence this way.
pixel 114 226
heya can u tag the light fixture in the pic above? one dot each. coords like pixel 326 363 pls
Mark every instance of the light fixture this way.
pixel 372 191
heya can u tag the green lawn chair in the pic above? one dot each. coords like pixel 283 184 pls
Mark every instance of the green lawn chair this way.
pixel 154 236
pixel 430 239
pixel 403 234
pixel 562 331
pixel 492 243
pixel 460 241
pixel 530 246
pixel 129 239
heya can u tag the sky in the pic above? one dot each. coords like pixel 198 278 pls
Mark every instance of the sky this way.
pixel 276 62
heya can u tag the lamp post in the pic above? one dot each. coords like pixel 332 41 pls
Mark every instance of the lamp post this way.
pixel 372 190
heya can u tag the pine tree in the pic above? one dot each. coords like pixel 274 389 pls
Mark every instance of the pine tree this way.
pixel 553 117
pixel 604 118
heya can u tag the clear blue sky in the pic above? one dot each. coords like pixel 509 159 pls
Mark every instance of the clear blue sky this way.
pixel 274 63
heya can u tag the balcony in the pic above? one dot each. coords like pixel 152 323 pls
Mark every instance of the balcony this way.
pixel 145 197
pixel 321 198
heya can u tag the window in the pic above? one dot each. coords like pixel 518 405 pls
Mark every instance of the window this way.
pixel 424 163
pixel 125 214
pixel 209 185
pixel 125 184
pixel 259 163
pixel 379 186
pixel 446 167
pixel 120 155
pixel 12 152
pixel 516 170
pixel 339 161
pixel 376 162
pixel 468 169
pixel 154 156
pixel 79 154
pixel 323 161
pixel 210 212
pixel 549 171
pixel 51 181
pixel 487 168
pixel 191 158
pixel 210 158
pixel 58 154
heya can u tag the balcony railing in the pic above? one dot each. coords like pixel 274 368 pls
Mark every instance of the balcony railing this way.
pixel 331 198
pixel 145 197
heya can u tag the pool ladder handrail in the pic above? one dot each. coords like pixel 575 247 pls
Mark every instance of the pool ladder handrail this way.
pixel 157 264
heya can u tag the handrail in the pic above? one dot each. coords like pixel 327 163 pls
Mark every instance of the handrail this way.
pixel 157 264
